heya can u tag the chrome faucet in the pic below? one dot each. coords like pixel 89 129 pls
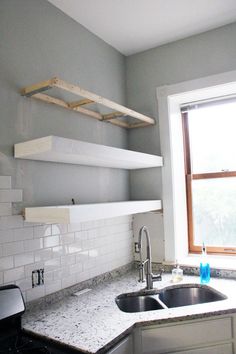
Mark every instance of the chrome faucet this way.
pixel 150 277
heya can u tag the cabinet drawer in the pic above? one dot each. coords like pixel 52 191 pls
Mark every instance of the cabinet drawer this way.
pixel 219 349
pixel 124 347
pixel 164 339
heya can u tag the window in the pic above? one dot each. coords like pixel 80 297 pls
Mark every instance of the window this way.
pixel 209 131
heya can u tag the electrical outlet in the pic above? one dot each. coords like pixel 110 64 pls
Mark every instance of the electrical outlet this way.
pixel 136 247
pixel 41 276
pixel 37 277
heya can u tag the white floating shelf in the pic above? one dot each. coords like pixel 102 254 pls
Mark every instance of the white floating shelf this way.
pixel 68 214
pixel 57 149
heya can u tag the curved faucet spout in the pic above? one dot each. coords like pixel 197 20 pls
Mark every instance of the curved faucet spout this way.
pixel 148 261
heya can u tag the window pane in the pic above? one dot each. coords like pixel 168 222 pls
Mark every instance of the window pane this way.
pixel 214 211
pixel 212 132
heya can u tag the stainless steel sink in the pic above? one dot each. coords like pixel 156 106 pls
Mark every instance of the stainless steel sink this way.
pixel 138 303
pixel 173 296
pixel 189 295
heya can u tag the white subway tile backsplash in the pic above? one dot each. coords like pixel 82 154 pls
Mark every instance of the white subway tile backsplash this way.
pixel 12 248
pixel 25 233
pixel 68 260
pixel 42 231
pixel 61 273
pixel 23 259
pixel 52 264
pixel 6 236
pixel 59 229
pixel 5 209
pixel 10 195
pixel 43 255
pixel 1 278
pixel 89 265
pixel 68 281
pixel 73 248
pixel 11 222
pixel 31 224
pixel 58 251
pixel 74 227
pixel 82 257
pixel 92 234
pixel 92 224
pixel 35 293
pixel 51 241
pixel 76 268
pixel 119 220
pixel 30 267
pixel 68 253
pixel 92 272
pixel 13 274
pixel 5 182
pixel 53 287
pixel 84 275
pixel 67 238
pixel 94 253
pixel 48 277
pixel 24 284
pixel 32 245
pixel 81 235
pixel 6 263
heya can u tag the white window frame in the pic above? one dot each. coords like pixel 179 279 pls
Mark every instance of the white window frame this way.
pixel 170 98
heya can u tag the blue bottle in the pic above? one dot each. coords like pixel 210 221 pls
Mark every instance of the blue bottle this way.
pixel 204 267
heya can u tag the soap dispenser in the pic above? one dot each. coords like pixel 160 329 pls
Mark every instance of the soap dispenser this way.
pixel 177 274
pixel 204 267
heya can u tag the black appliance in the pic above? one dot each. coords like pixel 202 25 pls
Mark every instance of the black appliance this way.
pixel 13 339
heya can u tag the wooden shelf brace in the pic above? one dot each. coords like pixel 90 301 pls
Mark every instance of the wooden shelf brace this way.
pixel 36 91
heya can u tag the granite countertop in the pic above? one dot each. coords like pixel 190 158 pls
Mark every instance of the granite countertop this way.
pixel 92 322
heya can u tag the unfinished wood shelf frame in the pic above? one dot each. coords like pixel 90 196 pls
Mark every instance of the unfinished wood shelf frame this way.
pixel 36 90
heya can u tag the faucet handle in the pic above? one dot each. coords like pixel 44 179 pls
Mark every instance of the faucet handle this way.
pixel 141 272
pixel 162 270
pixel 158 277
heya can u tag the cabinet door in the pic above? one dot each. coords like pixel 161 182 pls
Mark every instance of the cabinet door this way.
pixel 124 347
pixel 219 349
pixel 168 339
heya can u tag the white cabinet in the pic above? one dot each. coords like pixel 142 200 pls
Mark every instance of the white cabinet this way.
pixel 124 347
pixel 207 336
pixel 219 349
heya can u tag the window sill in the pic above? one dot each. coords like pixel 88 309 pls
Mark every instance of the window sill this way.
pixel 217 262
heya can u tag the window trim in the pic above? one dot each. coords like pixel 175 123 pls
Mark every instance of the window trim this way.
pixel 189 177
pixel 170 98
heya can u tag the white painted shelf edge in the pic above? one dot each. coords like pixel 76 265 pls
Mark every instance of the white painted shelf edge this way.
pixel 68 214
pixel 58 149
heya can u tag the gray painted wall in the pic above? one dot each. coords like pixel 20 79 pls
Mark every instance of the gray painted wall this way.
pixel 38 42
pixel 198 56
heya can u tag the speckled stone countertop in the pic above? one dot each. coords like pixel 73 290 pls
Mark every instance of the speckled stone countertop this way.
pixel 92 322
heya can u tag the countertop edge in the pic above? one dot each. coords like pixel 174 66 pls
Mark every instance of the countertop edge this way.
pixel 137 324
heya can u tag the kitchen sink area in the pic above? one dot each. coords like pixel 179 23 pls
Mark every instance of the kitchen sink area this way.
pixel 169 297
pixel 138 303
pixel 116 308
pixel 189 295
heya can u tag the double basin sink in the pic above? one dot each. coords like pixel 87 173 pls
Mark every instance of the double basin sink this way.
pixel 169 297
